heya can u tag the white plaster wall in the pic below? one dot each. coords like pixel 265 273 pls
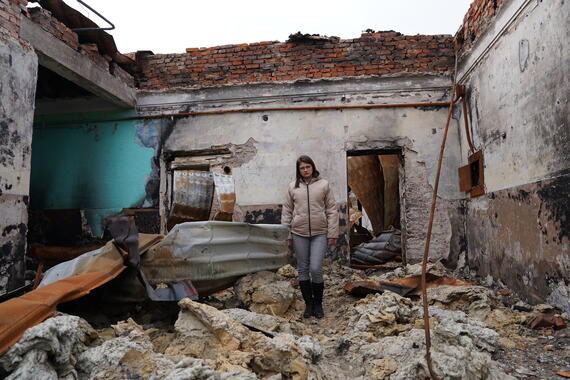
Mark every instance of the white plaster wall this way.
pixel 519 93
pixel 325 136
pixel 18 77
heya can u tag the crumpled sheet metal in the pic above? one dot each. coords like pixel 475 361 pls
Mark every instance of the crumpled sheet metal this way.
pixel 90 261
pixel 18 314
pixel 214 254
pixel 64 282
pixel 408 286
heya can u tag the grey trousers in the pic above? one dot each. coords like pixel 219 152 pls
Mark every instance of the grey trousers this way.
pixel 310 253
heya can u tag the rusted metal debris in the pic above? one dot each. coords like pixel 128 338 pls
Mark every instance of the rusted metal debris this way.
pixel 408 286
pixel 366 181
pixel 362 288
pixel 211 254
pixel 51 255
pixel 192 195
pixel 387 246
pixel 18 314
pixel 549 321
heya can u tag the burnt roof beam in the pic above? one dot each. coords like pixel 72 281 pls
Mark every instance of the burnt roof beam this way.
pixel 76 67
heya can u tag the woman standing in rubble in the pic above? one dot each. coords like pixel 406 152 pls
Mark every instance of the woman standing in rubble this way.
pixel 310 212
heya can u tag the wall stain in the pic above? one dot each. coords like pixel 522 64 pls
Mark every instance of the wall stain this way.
pixel 520 235
pixel 556 198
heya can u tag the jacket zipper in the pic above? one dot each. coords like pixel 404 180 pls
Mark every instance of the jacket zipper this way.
pixel 309 209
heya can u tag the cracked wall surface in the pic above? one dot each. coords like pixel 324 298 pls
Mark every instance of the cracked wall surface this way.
pixel 91 163
pixel 279 137
pixel 518 75
pixel 18 72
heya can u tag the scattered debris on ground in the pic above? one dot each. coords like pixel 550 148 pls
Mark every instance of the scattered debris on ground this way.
pixel 385 247
pixel 255 330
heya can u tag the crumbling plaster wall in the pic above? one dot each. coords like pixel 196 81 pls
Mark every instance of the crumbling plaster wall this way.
pixel 95 162
pixel 18 72
pixel 518 76
pixel 280 137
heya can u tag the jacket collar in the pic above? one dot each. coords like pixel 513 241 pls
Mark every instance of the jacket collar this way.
pixel 313 179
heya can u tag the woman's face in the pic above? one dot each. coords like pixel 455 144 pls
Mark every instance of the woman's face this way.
pixel 306 170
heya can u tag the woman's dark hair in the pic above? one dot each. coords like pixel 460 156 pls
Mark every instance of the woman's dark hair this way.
pixel 306 160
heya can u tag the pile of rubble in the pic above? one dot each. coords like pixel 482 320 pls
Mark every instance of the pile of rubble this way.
pixel 254 330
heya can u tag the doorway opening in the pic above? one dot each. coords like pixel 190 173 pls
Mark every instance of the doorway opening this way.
pixel 373 186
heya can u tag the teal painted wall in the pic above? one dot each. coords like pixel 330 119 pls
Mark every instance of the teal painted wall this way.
pixel 90 162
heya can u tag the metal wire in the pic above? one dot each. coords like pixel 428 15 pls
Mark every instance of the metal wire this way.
pixel 98 14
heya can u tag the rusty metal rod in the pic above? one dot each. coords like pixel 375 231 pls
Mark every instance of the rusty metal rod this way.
pixel 247 110
pixel 307 108
pixel 428 238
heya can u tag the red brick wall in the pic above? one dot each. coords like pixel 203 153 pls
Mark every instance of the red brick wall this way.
pixel 51 25
pixel 10 17
pixel 475 23
pixel 371 54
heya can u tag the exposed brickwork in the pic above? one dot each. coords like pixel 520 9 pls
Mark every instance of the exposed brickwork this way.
pixel 476 22
pixel 10 17
pixel 371 54
pixel 56 28
pixel 51 25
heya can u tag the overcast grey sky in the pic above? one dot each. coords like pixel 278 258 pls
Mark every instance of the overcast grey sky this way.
pixel 171 26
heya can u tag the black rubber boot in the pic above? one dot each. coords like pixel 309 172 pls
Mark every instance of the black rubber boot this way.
pixel 307 293
pixel 318 299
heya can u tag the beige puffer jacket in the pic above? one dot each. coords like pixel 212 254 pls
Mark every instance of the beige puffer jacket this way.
pixel 310 209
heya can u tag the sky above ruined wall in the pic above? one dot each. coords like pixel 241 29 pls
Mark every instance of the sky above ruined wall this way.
pixel 172 26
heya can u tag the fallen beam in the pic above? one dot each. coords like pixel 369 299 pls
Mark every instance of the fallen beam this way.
pixel 78 68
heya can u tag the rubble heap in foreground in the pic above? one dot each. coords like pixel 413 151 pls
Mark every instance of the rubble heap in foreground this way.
pixel 255 331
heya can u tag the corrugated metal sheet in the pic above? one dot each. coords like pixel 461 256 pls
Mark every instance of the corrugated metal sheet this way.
pixel 214 254
pixel 192 195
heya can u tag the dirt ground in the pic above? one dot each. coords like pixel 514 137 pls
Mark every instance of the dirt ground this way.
pixel 255 330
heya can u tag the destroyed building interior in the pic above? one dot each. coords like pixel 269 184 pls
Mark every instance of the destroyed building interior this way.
pixel 141 198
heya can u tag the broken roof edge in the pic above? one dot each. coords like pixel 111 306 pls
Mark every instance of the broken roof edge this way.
pixel 402 74
pixel 299 38
pixel 74 19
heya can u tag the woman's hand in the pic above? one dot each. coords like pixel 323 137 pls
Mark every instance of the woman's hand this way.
pixel 331 242
pixel 289 242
